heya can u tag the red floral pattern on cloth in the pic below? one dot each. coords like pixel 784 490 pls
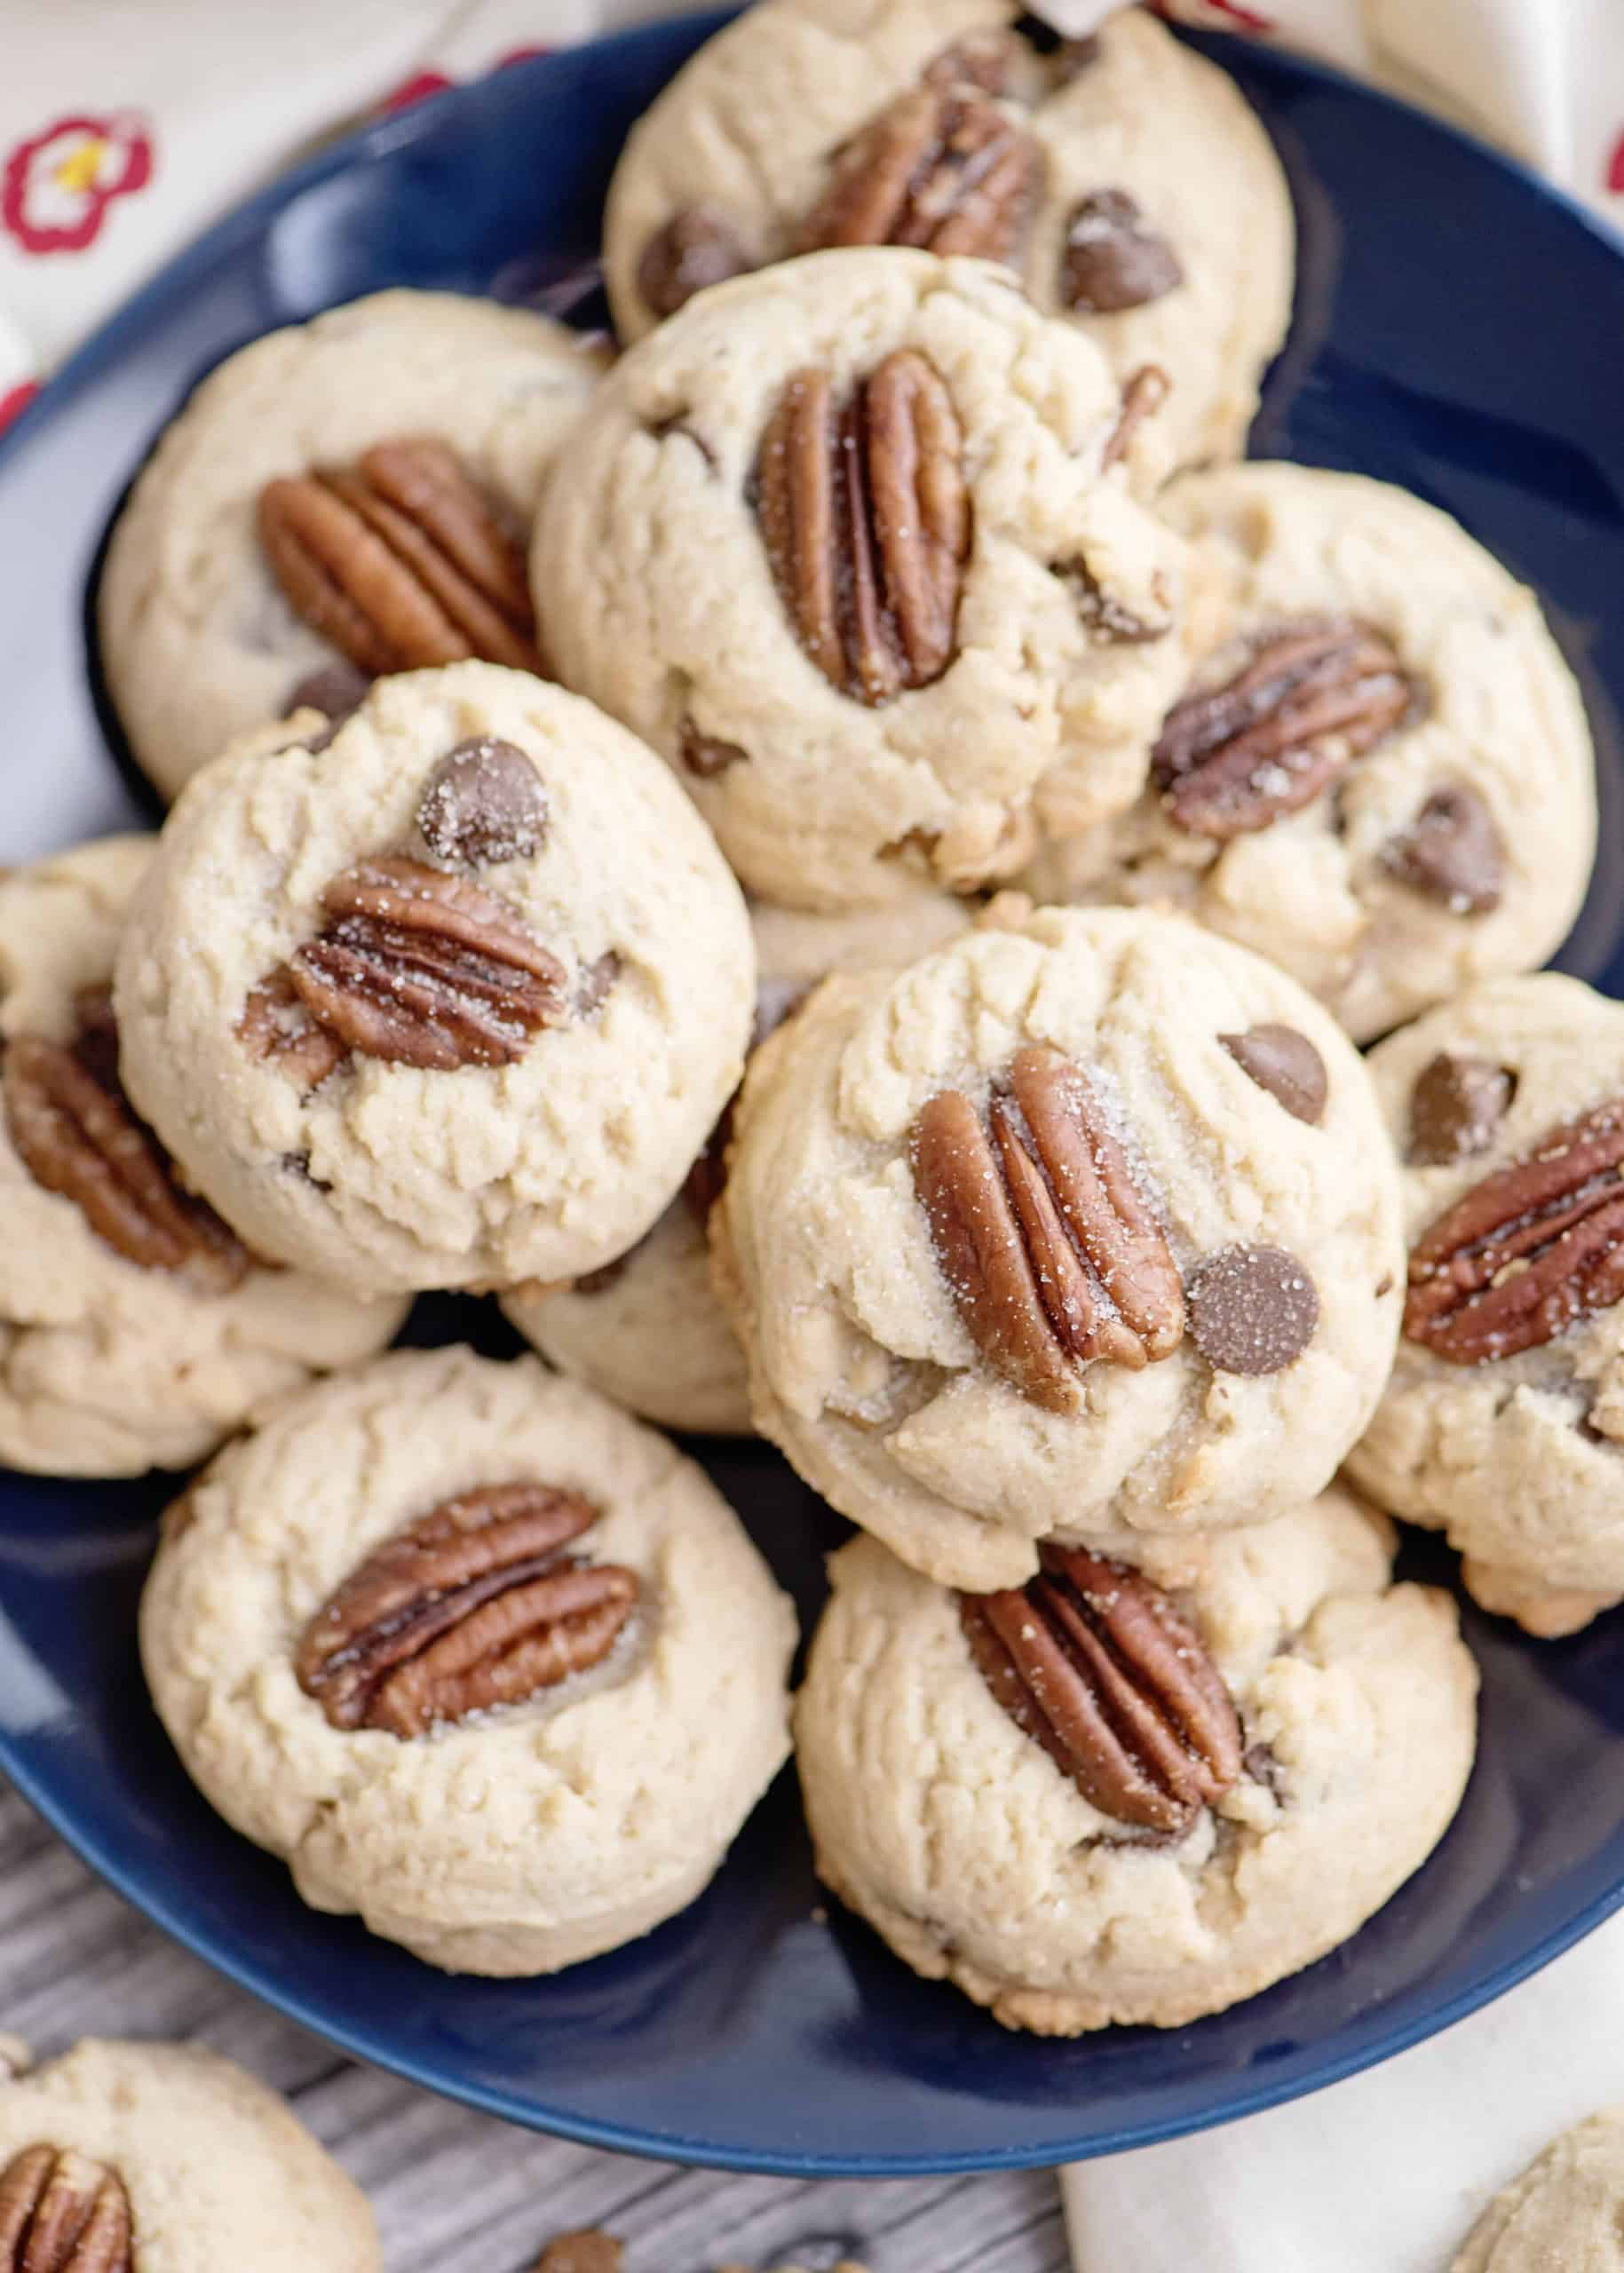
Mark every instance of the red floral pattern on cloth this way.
pixel 422 84
pixel 57 184
pixel 1615 167
pixel 15 398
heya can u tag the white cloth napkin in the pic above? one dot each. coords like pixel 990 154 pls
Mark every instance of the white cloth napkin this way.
pixel 125 125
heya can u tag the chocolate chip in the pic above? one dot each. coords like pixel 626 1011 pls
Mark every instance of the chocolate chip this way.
pixel 1253 1309
pixel 697 247
pixel 1456 1106
pixel 705 755
pixel 1285 1062
pixel 336 690
pixel 483 803
pixel 1112 260
pixel 1452 852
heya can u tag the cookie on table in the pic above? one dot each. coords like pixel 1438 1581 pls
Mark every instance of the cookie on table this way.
pixel 118 2157
pixel 449 998
pixel 852 544
pixel 1503 1423
pixel 1086 1228
pixel 135 1330
pixel 1126 1795
pixel 647 1330
pixel 1123 178
pixel 1565 2214
pixel 1379 772
pixel 347 496
pixel 480 1657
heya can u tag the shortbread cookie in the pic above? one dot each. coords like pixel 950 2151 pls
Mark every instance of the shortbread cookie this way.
pixel 136 1331
pixel 451 998
pixel 483 1659
pixel 1123 177
pixel 281 538
pixel 1565 2214
pixel 852 544
pixel 1135 1795
pixel 1503 1423
pixel 1379 772
pixel 166 2159
pixel 1085 1229
pixel 647 1330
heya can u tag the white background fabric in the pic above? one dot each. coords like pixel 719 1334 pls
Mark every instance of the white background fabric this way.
pixel 125 125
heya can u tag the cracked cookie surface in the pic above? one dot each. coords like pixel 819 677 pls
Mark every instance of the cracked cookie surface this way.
pixel 977 1857
pixel 509 1840
pixel 1020 1249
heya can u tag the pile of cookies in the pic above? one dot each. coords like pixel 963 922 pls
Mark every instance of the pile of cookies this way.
pixel 1097 797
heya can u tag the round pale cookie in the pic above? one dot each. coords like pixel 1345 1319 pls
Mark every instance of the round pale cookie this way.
pixel 198 638
pixel 1503 1423
pixel 1124 178
pixel 1084 1229
pixel 1396 797
pixel 1565 2214
pixel 858 698
pixel 647 1330
pixel 450 998
pixel 135 1331
pixel 1288 1737
pixel 480 1657
pixel 167 2158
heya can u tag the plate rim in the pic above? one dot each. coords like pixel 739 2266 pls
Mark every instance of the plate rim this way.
pixel 243 221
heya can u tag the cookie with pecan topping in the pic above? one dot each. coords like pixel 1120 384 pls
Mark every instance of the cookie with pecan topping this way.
pixel 1123 178
pixel 449 996
pixel 342 498
pixel 1503 1423
pixel 116 2157
pixel 1378 771
pixel 1083 1228
pixel 480 1657
pixel 854 543
pixel 647 1330
pixel 136 1328
pixel 1134 1792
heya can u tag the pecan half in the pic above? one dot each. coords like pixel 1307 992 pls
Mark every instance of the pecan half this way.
pixel 866 518
pixel 77 1134
pixel 1313 696
pixel 945 166
pixel 400 560
pixel 1093 1662
pixel 1052 1256
pixel 415 967
pixel 475 1605
pixel 61 2212
pixel 1528 1252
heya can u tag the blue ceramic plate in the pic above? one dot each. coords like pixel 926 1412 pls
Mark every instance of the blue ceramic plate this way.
pixel 1447 332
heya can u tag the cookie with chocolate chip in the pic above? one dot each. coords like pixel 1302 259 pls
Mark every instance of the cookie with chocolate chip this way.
pixel 1503 1423
pixel 1134 1791
pixel 481 1658
pixel 1123 178
pixel 449 996
pixel 342 498
pixel 1378 771
pixel 1082 1228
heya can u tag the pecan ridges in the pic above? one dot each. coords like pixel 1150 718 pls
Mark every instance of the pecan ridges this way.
pixel 1313 696
pixel 400 561
pixel 1529 1251
pixel 60 2213
pixel 415 967
pixel 1091 1660
pixel 476 1605
pixel 1050 1252
pixel 866 519
pixel 75 1132
pixel 945 167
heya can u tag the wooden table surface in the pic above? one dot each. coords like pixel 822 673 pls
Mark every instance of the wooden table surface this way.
pixel 457 2192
